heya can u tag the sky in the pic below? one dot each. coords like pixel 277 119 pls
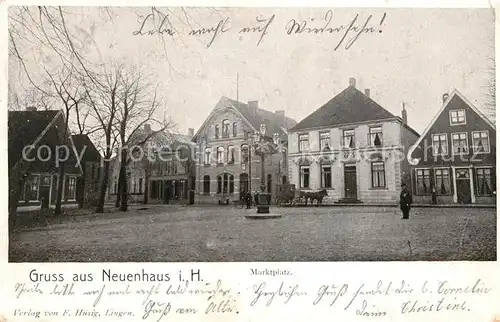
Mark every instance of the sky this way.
pixel 408 55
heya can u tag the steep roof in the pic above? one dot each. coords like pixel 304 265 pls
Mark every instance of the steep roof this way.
pixel 349 106
pixel 270 119
pixel 91 153
pixel 24 127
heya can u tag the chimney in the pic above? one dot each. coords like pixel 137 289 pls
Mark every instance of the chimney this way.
pixel 352 82
pixel 147 128
pixel 253 106
pixel 367 92
pixel 190 132
pixel 445 97
pixel 31 108
pixel 404 115
pixel 280 117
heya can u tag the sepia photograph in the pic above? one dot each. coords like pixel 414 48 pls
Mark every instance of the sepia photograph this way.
pixel 227 134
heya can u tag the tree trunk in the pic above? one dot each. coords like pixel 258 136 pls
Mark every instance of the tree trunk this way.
pixel 119 191
pixel 123 179
pixel 146 187
pixel 60 184
pixel 103 188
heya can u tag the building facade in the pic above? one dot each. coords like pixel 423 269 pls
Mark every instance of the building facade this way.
pixel 34 177
pixel 454 161
pixel 353 148
pixel 226 165
pixel 165 173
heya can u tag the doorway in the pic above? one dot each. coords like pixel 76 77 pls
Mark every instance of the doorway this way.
pixel 462 178
pixel 350 182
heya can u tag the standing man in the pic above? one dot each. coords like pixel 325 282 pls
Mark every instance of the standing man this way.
pixel 405 201
pixel 248 199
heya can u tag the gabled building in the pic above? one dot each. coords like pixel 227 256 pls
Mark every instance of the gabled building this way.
pixel 352 147
pixel 227 166
pixel 34 139
pixel 454 159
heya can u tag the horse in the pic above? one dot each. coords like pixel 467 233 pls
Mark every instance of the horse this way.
pixel 317 195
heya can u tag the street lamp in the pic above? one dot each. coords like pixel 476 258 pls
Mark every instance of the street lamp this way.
pixel 263 145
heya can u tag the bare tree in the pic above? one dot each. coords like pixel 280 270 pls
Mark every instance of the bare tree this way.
pixel 140 101
pixel 69 92
pixel 103 99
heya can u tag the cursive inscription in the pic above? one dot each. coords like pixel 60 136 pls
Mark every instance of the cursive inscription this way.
pixel 149 27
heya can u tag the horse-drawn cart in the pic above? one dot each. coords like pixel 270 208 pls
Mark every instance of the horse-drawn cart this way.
pixel 288 196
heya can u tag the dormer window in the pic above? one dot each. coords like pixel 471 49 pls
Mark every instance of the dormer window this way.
pixel 457 117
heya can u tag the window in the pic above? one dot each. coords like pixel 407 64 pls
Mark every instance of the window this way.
pixel 206 185
pixel 134 185
pixel 217 131
pixel 460 143
pixel 230 154
pixel 484 181
pixel 220 155
pixel 481 142
pixel 324 141
pixel 375 136
pixel 303 142
pixel 219 184
pixel 443 186
pixel 225 128
pixel 231 183
pixel 348 139
pixel 245 153
pixel 70 190
pixel 423 181
pixel 304 176
pixel 440 144
pixel 378 174
pixel 235 129
pixel 207 156
pixel 225 183
pixel 140 185
pixel 326 176
pixel 457 117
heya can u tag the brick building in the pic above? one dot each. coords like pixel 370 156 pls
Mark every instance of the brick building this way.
pixel 454 161
pixel 226 163
pixel 353 148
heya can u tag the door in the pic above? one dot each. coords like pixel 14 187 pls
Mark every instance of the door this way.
pixel 350 187
pixel 44 193
pixel 44 196
pixel 243 184
pixel 462 177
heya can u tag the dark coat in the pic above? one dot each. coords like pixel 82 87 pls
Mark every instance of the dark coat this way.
pixel 405 198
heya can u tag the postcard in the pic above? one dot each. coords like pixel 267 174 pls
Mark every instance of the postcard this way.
pixel 248 163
